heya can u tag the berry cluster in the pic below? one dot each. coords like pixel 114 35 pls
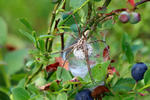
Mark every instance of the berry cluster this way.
pixel 132 17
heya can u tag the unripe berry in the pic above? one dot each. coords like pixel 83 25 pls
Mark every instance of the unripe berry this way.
pixel 84 95
pixel 138 71
pixel 124 17
pixel 134 18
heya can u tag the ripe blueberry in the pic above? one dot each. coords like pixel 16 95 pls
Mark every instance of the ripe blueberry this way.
pixel 124 17
pixel 138 71
pixel 84 95
pixel 134 18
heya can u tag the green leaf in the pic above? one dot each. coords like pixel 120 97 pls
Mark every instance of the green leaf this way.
pixel 124 85
pixel 108 24
pixel 52 97
pixel 127 48
pixel 129 98
pixel 42 45
pixel 65 75
pixel 54 86
pixel 4 96
pixel 46 36
pixel 74 27
pixel 3 31
pixel 98 71
pixel 33 89
pixel 39 97
pixel 28 35
pixel 62 96
pixel 26 23
pixel 20 94
pixel 146 77
pixel 15 61
pixel 76 4
pixel 97 0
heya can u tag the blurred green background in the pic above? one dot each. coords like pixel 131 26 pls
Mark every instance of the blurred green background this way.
pixel 37 12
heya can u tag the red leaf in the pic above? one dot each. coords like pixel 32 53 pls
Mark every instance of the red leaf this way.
pixel 10 47
pixel 112 61
pixel 52 67
pixel 106 56
pixel 46 86
pixel 61 62
pixel 112 70
pixel 99 91
pixel 131 2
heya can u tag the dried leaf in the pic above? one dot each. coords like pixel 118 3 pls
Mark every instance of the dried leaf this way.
pixel 99 91
pixel 106 56
pixel 61 62
pixel 10 47
pixel 112 70
pixel 52 67
pixel 45 87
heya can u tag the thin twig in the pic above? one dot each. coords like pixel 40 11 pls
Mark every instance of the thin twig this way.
pixel 141 2
pixel 88 63
pixel 64 49
pixel 77 26
pixel 106 3
pixel 62 43
pixel 66 58
pixel 51 23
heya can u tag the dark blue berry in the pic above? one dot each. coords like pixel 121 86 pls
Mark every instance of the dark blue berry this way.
pixel 134 18
pixel 124 17
pixel 84 95
pixel 138 71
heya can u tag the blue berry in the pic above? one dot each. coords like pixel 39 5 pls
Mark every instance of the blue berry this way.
pixel 138 71
pixel 124 17
pixel 134 18
pixel 84 95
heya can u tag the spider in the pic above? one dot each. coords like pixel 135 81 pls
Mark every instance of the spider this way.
pixel 81 49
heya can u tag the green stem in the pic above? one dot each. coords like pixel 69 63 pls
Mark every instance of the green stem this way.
pixel 144 88
pixel 33 75
pixel 52 19
pixel 2 70
pixel 135 85
pixel 75 11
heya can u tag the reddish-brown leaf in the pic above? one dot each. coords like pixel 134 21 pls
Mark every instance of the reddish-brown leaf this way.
pixel 61 62
pixel 131 2
pixel 112 61
pixel 97 56
pixel 10 47
pixel 98 91
pixel 52 67
pixel 112 70
pixel 106 56
pixel 45 87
